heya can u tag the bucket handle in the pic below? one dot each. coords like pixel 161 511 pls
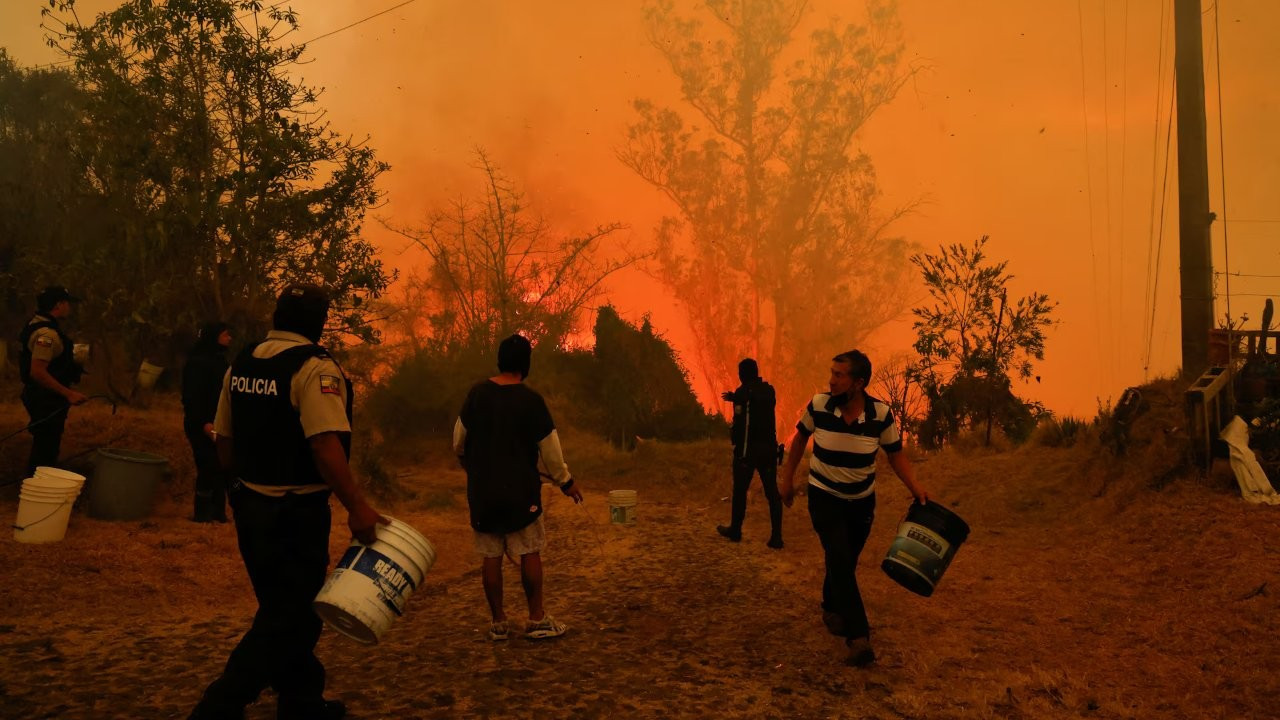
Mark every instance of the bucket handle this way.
pixel 23 528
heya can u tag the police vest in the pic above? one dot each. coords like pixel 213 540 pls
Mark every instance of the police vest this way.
pixel 270 445
pixel 62 368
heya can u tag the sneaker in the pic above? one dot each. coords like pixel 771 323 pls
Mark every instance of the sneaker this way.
pixel 545 628
pixel 728 532
pixel 860 652
pixel 499 631
pixel 775 543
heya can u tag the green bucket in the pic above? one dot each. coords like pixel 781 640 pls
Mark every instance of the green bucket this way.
pixel 124 484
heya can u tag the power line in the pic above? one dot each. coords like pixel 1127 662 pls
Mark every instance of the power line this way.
pixel 1106 181
pixel 1164 197
pixel 272 7
pixel 1248 275
pixel 1088 179
pixel 1222 157
pixel 358 22
pixel 1149 326
pixel 1124 152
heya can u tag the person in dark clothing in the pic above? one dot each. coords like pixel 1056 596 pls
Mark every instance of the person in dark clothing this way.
pixel 48 368
pixel 284 427
pixel 201 387
pixel 755 450
pixel 502 431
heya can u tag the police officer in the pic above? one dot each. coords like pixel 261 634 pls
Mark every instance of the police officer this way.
pixel 284 428
pixel 755 449
pixel 48 369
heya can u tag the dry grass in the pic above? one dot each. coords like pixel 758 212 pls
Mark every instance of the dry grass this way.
pixel 1092 586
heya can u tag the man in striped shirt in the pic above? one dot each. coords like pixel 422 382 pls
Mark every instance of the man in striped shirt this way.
pixel 848 428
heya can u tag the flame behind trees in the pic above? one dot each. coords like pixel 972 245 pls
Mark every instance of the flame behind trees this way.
pixel 777 249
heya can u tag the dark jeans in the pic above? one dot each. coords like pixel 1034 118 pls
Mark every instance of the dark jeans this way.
pixel 843 527
pixel 285 546
pixel 211 486
pixel 743 470
pixel 46 431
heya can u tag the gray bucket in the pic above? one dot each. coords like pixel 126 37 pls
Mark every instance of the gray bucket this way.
pixel 124 484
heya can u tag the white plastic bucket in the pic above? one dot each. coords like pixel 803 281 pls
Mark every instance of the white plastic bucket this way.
pixel 371 584
pixel 622 507
pixel 147 375
pixel 44 509
pixel 53 473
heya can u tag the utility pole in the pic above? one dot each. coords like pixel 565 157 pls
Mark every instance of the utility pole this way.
pixel 1195 252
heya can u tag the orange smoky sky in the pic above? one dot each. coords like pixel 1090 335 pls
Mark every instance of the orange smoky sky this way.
pixel 1041 124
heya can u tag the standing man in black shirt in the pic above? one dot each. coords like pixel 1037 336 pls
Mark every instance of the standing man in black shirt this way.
pixel 201 387
pixel 284 427
pixel 502 430
pixel 48 368
pixel 755 449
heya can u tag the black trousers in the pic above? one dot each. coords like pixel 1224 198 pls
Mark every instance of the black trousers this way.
pixel 843 527
pixel 46 431
pixel 211 486
pixel 285 546
pixel 743 470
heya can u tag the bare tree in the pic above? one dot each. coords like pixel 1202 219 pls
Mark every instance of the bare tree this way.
pixel 894 385
pixel 495 269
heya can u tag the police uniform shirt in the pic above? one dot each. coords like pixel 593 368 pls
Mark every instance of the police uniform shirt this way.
pixel 317 392
pixel 44 343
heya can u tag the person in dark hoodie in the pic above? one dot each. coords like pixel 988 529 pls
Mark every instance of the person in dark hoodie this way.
pixel 201 388
pixel 755 449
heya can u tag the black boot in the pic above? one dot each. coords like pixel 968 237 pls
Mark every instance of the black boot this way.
pixel 730 533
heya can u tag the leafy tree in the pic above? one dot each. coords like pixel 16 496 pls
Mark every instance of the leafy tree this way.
pixel 219 179
pixel 777 249
pixel 495 269
pixel 44 196
pixel 971 342
pixel 640 387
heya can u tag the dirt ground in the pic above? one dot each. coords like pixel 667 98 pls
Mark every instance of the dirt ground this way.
pixel 1090 587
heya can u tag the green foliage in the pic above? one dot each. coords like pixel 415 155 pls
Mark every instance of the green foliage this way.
pixel 970 340
pixel 1051 431
pixel 777 209
pixel 208 177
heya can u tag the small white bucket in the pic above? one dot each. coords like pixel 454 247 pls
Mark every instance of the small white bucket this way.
pixel 622 507
pixel 371 584
pixel 147 375
pixel 44 509
pixel 53 473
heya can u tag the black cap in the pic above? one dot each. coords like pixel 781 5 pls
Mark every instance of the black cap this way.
pixel 53 295
pixel 302 309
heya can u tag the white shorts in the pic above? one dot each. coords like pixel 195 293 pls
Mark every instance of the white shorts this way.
pixel 525 541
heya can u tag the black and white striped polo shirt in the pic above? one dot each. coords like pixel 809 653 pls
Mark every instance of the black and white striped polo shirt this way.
pixel 844 454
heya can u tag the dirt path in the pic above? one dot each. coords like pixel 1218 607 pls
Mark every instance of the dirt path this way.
pixel 128 620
